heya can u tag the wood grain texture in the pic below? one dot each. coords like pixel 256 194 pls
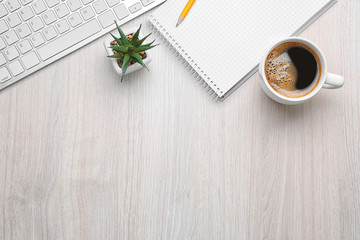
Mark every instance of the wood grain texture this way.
pixel 85 157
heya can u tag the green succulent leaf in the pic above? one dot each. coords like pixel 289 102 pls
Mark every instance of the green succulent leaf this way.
pixel 124 39
pixel 144 48
pixel 131 48
pixel 138 59
pixel 117 40
pixel 138 43
pixel 122 49
pixel 125 65
pixel 136 35
pixel 117 55
pixel 149 44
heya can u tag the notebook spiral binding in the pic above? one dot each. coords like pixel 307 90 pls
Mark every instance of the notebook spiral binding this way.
pixel 185 59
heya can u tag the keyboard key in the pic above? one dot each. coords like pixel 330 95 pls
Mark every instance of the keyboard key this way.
pixel 36 24
pixel 12 5
pixel 24 46
pixel 2 59
pixel 39 7
pixel 37 39
pixel 4 75
pixel 74 4
pixel 134 8
pixel 87 13
pixel 25 2
pixel 11 37
pixel 11 53
pixel 3 11
pixel 52 3
pixel 2 43
pixel 106 19
pixel 49 33
pixel 75 19
pixel 147 2
pixel 86 1
pixel 99 6
pixel 49 17
pixel 121 11
pixel 26 13
pixel 112 3
pixel 16 68
pixel 23 30
pixel 61 10
pixel 3 26
pixel 70 39
pixel 62 26
pixel 30 60
pixel 13 20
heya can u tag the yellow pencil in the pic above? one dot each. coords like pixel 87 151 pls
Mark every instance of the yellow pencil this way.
pixel 185 11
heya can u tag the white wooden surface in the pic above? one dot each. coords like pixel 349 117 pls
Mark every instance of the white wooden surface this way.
pixel 85 157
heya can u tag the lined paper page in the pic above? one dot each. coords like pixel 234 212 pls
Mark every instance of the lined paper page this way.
pixel 227 39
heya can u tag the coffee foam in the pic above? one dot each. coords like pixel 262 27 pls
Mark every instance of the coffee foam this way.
pixel 282 74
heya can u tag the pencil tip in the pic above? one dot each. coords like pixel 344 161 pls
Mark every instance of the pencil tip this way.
pixel 179 21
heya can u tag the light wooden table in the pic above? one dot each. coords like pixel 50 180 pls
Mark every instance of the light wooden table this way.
pixel 85 157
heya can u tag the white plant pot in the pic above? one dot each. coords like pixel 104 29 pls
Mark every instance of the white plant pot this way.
pixel 132 68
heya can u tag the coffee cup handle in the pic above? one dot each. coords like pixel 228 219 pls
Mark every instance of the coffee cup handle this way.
pixel 333 81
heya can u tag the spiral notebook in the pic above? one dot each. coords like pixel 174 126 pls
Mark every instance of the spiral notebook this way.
pixel 222 42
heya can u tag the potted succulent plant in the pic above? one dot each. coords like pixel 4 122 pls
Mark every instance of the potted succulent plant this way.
pixel 128 53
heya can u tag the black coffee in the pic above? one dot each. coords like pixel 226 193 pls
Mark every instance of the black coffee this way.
pixel 292 69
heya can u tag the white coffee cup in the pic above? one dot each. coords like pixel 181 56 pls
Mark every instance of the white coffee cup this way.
pixel 327 80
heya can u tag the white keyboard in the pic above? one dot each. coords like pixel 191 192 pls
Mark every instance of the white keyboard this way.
pixel 35 33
